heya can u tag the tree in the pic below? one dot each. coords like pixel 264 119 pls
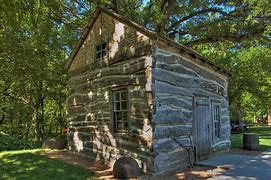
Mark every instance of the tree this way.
pixel 37 37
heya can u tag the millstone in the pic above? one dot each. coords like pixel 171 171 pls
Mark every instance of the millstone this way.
pixel 126 167
pixel 53 143
pixel 251 141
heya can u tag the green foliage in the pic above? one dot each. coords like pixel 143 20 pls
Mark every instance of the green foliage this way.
pixel 264 133
pixel 36 38
pixel 250 84
pixel 33 80
pixel 33 165
pixel 14 143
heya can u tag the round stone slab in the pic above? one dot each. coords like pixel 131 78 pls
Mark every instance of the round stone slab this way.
pixel 126 167
pixel 53 143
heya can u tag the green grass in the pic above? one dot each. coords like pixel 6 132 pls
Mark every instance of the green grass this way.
pixel 264 133
pixel 31 164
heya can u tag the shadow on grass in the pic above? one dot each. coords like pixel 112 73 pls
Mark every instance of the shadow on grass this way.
pixel 29 165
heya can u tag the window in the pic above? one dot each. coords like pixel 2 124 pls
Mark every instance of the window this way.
pixel 120 112
pixel 101 51
pixel 216 121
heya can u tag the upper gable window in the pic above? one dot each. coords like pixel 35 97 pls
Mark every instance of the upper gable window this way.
pixel 101 51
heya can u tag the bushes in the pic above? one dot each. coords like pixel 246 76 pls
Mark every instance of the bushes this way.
pixel 8 142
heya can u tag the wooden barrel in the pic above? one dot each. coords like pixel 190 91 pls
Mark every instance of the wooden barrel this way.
pixel 251 141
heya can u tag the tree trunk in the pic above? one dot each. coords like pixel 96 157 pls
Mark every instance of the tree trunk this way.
pixel 39 112
pixel 269 115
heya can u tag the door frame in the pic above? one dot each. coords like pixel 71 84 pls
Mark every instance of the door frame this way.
pixel 195 124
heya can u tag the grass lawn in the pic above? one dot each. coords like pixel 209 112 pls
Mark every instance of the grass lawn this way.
pixel 32 164
pixel 264 133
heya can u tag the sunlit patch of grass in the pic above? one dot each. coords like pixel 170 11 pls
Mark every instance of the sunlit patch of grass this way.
pixel 264 133
pixel 33 164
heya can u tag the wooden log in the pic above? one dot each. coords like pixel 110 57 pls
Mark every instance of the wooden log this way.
pixel 188 82
pixel 77 99
pixel 73 110
pixel 163 161
pixel 221 145
pixel 126 69
pixel 109 81
pixel 97 105
pixel 163 87
pixel 224 120
pixel 79 123
pixel 167 131
pixel 177 68
pixel 173 101
pixel 117 60
pixel 78 117
pixel 83 136
pixel 225 129
pixel 172 116
pixel 171 168
pixel 170 58
pixel 134 115
pixel 167 145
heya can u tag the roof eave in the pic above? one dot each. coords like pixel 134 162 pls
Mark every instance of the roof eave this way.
pixel 83 36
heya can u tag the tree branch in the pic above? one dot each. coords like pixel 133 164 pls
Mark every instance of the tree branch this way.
pixel 230 37
pixel 145 18
pixel 165 10
pixel 177 23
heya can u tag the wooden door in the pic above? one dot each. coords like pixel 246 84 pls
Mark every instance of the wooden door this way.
pixel 202 125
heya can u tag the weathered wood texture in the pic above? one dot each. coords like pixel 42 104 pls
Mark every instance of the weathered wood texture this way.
pixel 175 82
pixel 90 116
pixel 121 39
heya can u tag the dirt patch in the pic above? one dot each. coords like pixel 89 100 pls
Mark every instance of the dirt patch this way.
pixel 102 171
pixel 105 172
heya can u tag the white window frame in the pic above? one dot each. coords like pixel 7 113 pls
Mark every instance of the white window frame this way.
pixel 101 52
pixel 216 117
pixel 120 111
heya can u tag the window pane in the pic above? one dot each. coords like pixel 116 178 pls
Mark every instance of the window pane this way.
pixel 126 125
pixel 98 48
pixel 216 119
pixel 119 116
pixel 119 126
pixel 103 53
pixel 117 96
pixel 104 46
pixel 115 116
pixel 124 116
pixel 98 55
pixel 124 96
pixel 117 106
pixel 120 111
pixel 124 105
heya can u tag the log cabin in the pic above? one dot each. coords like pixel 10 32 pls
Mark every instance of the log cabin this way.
pixel 135 93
